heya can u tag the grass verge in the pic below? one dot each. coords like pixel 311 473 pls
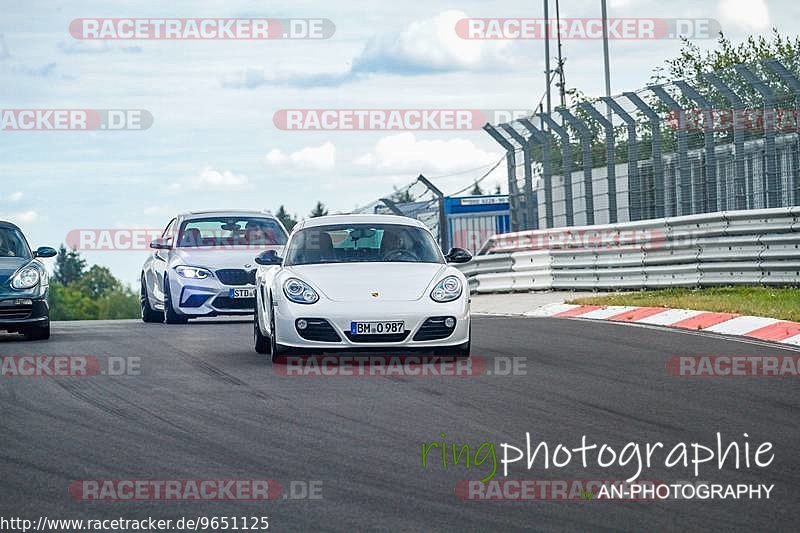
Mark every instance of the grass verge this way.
pixel 773 302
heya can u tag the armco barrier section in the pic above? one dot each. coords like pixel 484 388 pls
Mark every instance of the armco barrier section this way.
pixel 725 248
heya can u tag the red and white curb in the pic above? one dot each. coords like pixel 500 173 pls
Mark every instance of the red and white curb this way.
pixel 754 327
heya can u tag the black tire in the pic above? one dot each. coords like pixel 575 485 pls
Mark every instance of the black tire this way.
pixel 278 352
pixel 170 315
pixel 263 344
pixel 37 333
pixel 149 315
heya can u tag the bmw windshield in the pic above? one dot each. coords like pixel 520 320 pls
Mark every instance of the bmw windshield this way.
pixel 12 244
pixel 214 232
pixel 362 243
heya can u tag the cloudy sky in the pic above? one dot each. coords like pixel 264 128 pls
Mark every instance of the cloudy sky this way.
pixel 213 143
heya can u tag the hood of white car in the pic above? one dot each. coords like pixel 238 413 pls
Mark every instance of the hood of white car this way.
pixel 369 281
pixel 217 258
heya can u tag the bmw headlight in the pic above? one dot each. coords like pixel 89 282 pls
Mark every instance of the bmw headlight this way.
pixel 191 272
pixel 299 292
pixel 447 290
pixel 27 278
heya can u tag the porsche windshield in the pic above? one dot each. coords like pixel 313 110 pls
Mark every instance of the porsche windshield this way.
pixel 230 231
pixel 363 243
pixel 12 244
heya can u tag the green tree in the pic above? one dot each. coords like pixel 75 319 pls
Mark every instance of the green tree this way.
pixel 476 190
pixel 497 188
pixel 93 294
pixel 403 196
pixel 69 266
pixel 319 210
pixel 286 219
pixel 98 281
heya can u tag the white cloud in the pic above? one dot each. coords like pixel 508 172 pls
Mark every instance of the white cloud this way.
pixel 404 153
pixel 210 179
pixel 312 158
pixel 15 196
pixel 749 14
pixel 23 217
pixel 425 46
pixel 431 45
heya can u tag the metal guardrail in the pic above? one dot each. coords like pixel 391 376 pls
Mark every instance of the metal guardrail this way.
pixel 725 248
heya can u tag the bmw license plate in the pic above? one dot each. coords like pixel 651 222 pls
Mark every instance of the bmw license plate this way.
pixel 385 327
pixel 242 293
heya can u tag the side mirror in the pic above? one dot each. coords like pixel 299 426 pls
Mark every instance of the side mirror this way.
pixel 45 251
pixel 269 258
pixel 160 244
pixel 458 255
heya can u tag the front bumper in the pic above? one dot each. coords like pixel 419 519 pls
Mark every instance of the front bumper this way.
pixel 16 314
pixel 208 297
pixel 340 315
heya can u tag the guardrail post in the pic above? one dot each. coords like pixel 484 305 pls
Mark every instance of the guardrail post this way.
pixel 658 164
pixel 689 192
pixel 525 145
pixel 543 139
pixel 635 198
pixel 610 158
pixel 772 187
pixel 793 82
pixel 511 165
pixel 737 107
pixel 586 143
pixel 713 204
pixel 566 166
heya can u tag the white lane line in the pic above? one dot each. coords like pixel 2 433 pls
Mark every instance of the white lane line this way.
pixel 742 325
pixel 669 317
pixel 607 312
pixel 550 310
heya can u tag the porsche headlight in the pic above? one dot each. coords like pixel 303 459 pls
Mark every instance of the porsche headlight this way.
pixel 191 272
pixel 299 292
pixel 447 290
pixel 27 278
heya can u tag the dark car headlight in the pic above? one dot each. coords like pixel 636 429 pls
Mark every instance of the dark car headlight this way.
pixel 26 278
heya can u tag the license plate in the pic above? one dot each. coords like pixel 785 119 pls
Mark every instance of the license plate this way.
pixel 384 327
pixel 243 293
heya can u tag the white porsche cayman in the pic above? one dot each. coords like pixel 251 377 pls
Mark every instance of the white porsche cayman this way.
pixel 352 282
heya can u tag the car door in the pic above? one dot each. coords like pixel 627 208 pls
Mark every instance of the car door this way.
pixel 160 260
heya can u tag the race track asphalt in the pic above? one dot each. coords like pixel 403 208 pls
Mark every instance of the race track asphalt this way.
pixel 204 405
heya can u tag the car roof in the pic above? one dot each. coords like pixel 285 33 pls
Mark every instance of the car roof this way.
pixel 360 219
pixel 8 225
pixel 227 213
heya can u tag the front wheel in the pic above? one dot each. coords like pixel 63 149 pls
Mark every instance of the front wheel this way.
pixel 262 342
pixel 172 317
pixel 37 333
pixel 149 315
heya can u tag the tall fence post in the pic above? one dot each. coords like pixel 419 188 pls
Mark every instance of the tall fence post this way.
pixel 793 82
pixel 712 203
pixel 689 192
pixel 543 139
pixel 566 166
pixel 737 107
pixel 525 144
pixel 585 135
pixel 635 197
pixel 658 163
pixel 611 176
pixel 771 186
pixel 511 166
